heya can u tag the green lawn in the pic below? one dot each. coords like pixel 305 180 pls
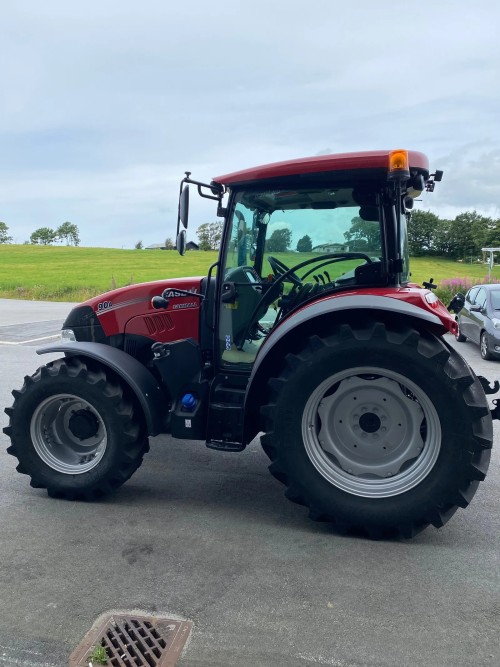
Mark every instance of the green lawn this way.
pixel 62 273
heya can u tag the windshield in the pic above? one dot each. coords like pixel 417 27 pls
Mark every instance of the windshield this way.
pixel 296 225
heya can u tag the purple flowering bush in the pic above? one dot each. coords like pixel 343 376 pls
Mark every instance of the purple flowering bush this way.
pixel 449 287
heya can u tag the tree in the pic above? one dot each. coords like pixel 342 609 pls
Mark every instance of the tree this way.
pixel 138 245
pixel 363 235
pixel 422 230
pixel 279 241
pixel 43 236
pixel 4 237
pixel 443 241
pixel 209 235
pixel 169 244
pixel 68 232
pixel 304 244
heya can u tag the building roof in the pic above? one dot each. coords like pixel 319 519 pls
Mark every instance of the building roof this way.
pixel 155 246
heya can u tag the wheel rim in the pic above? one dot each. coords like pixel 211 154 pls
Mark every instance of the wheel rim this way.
pixel 371 432
pixel 68 434
pixel 484 345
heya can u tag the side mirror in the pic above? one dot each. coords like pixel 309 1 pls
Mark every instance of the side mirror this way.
pixel 184 206
pixel 181 242
pixel 475 308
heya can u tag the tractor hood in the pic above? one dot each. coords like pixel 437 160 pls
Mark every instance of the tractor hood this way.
pixel 128 310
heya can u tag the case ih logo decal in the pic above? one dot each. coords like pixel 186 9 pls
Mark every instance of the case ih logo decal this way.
pixel 172 293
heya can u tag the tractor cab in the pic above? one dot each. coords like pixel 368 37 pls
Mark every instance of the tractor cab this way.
pixel 301 231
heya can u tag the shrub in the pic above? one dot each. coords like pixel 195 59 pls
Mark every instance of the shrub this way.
pixel 449 287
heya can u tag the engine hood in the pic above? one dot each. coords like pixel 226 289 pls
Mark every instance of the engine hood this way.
pixel 129 310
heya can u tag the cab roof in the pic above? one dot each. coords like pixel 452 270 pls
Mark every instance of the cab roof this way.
pixel 370 160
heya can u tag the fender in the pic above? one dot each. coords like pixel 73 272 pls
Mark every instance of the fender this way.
pixel 303 322
pixel 151 398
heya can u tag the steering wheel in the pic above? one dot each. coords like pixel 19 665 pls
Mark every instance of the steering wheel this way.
pixel 279 269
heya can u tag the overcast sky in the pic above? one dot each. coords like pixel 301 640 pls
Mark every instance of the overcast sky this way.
pixel 104 105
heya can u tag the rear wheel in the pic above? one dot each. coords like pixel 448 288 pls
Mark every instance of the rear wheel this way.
pixel 74 431
pixel 379 430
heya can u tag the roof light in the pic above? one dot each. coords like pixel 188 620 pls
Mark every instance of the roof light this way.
pixel 399 164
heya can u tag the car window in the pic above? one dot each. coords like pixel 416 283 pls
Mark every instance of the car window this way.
pixel 471 295
pixel 481 298
pixel 495 299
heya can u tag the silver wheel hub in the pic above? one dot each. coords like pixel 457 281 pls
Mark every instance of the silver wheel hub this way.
pixel 484 344
pixel 68 434
pixel 371 432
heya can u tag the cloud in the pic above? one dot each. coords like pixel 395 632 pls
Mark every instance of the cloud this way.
pixel 103 106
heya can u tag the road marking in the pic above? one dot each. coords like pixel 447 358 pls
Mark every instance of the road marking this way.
pixel 25 342
pixel 22 324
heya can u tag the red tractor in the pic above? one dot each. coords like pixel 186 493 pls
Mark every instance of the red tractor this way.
pixel 368 416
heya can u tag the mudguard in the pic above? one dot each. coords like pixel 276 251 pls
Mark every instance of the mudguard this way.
pixel 304 322
pixel 149 394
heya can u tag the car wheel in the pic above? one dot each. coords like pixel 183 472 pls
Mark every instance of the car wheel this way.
pixel 459 335
pixel 485 350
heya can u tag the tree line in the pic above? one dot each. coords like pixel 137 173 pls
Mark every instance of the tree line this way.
pixel 67 232
pixel 460 238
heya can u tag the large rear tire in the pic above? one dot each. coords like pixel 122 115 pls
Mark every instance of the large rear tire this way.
pixel 74 432
pixel 379 429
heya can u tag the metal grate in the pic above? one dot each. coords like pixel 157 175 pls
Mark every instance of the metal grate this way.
pixel 134 641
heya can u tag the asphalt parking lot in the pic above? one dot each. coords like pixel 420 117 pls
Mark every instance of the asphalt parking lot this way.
pixel 209 537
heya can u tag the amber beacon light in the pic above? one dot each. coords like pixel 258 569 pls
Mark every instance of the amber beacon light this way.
pixel 399 164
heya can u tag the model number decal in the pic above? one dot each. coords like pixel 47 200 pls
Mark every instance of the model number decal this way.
pixel 103 305
pixel 179 306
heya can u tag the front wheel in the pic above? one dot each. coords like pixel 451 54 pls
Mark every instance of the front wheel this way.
pixel 459 335
pixel 74 431
pixel 379 430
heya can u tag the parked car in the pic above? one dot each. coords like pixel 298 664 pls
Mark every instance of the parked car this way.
pixel 479 319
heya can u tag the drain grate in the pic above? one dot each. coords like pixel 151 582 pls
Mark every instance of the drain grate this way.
pixel 134 641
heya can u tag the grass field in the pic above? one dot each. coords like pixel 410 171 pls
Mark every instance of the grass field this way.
pixel 59 273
